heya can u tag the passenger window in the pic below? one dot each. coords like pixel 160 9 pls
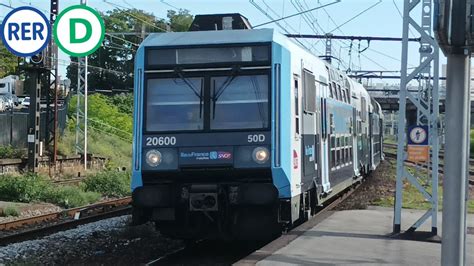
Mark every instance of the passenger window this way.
pixel 339 92
pixel 332 127
pixel 309 86
pixel 297 107
pixel 330 91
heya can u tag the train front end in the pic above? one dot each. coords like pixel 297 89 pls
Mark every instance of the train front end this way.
pixel 202 136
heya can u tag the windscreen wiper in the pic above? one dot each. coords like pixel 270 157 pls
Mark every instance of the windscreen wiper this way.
pixel 196 92
pixel 217 94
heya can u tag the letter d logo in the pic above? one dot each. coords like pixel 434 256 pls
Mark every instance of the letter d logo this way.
pixel 79 30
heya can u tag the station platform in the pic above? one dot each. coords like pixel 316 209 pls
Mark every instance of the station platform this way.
pixel 357 237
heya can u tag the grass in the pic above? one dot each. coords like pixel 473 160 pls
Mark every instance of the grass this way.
pixel 36 188
pixel 117 150
pixel 8 152
pixel 411 197
pixel 10 210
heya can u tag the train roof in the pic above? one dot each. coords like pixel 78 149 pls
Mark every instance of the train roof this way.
pixel 210 37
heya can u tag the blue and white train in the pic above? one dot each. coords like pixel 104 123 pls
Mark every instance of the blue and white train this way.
pixel 240 133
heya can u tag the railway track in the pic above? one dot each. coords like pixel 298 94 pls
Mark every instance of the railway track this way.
pixel 440 166
pixel 211 252
pixel 37 226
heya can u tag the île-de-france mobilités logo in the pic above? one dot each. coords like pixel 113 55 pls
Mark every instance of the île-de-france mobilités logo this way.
pixel 78 31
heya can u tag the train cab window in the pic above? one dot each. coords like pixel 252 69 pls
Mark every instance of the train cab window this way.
pixel 178 103
pixel 334 87
pixel 331 94
pixel 240 102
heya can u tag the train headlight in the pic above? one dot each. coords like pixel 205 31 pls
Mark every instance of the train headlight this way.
pixel 153 158
pixel 260 155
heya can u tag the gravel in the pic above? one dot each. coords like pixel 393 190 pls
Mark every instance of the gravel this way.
pixel 379 184
pixel 107 242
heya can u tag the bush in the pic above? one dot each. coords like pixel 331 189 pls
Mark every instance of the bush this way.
pixel 111 184
pixel 11 211
pixel 8 152
pixel 35 188
pixel 70 197
pixel 102 109
pixel 26 188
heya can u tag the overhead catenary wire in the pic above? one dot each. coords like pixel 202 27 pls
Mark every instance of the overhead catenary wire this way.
pixel 356 16
pixel 124 9
pixel 297 14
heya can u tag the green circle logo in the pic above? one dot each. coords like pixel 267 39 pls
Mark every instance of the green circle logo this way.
pixel 79 30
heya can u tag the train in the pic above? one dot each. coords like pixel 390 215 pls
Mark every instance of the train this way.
pixel 240 133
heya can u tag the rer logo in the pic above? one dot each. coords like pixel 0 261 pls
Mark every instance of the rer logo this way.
pixel 25 31
pixel 79 30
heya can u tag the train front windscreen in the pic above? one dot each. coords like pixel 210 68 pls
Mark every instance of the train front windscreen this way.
pixel 212 103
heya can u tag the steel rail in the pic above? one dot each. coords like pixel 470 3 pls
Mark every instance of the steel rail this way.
pixel 62 220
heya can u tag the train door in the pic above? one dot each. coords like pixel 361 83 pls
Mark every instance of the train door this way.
pixel 371 141
pixel 324 151
pixel 381 138
pixel 308 149
pixel 297 177
pixel 355 150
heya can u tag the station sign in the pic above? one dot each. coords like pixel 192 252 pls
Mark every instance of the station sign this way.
pixel 25 31
pixel 418 149
pixel 78 31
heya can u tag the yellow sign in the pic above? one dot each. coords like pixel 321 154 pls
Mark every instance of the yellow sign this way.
pixel 418 153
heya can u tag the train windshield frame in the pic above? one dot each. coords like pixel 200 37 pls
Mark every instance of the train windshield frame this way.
pixel 208 103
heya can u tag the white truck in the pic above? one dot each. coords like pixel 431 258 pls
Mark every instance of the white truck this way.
pixel 11 85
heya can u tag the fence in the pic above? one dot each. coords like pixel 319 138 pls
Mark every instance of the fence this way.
pixel 14 127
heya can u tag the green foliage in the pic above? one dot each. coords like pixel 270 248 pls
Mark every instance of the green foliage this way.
pixel 35 188
pixel 112 184
pixel 472 143
pixel 180 21
pixel 8 152
pixel 24 188
pixel 123 101
pixel 105 116
pixel 11 210
pixel 8 62
pixel 118 151
pixel 70 197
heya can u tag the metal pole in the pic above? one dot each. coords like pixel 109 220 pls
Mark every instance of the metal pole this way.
pixel 397 218
pixel 85 113
pixel 456 167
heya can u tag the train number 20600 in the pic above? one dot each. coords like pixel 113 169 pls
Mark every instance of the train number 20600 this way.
pixel 160 141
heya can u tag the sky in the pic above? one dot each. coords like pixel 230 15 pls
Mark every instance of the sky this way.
pixel 379 18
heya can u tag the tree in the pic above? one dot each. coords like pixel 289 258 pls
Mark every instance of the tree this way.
pixel 111 66
pixel 8 63
pixel 180 21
